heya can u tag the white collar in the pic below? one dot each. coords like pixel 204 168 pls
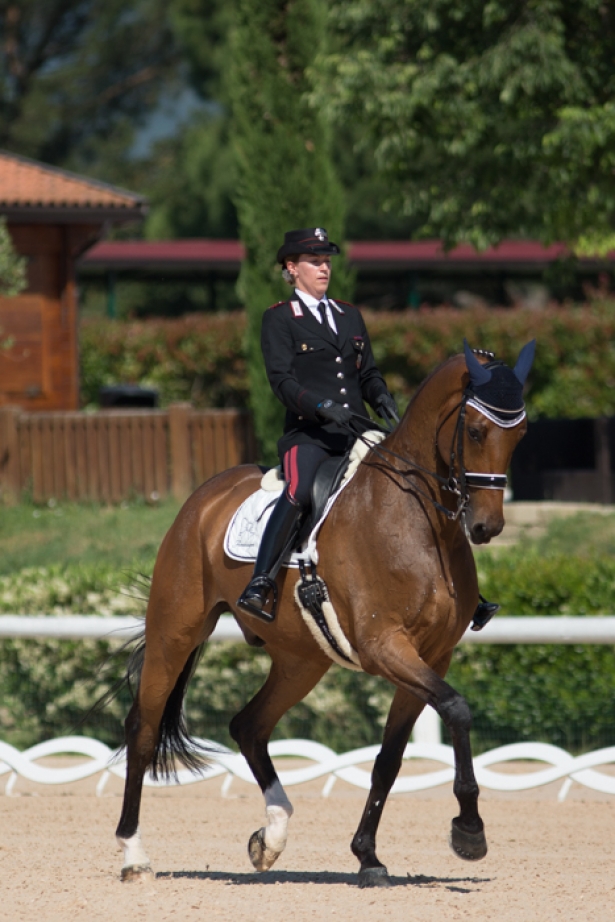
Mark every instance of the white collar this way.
pixel 309 300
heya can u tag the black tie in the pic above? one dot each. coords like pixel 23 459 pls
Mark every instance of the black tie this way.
pixel 322 310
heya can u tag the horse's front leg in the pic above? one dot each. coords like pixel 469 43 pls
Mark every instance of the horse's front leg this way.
pixel 396 659
pixel 403 713
pixel 290 680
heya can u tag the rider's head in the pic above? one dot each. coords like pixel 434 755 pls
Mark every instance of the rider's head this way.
pixel 305 257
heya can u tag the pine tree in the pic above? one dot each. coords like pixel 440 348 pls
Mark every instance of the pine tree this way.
pixel 285 177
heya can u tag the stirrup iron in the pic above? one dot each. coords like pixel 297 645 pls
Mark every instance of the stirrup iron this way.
pixel 484 613
pixel 258 589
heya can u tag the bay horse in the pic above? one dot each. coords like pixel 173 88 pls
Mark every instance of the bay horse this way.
pixel 394 552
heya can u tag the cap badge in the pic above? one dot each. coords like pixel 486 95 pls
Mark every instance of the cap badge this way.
pixel 320 233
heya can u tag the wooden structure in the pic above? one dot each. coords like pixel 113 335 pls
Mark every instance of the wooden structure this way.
pixel 53 217
pixel 566 460
pixel 115 455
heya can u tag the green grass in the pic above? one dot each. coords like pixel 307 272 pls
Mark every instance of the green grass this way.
pixel 40 536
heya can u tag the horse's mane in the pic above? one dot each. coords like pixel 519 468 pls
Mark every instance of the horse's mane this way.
pixel 432 374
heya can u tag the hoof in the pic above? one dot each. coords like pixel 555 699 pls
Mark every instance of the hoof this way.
pixel 261 857
pixel 471 846
pixel 374 877
pixel 140 872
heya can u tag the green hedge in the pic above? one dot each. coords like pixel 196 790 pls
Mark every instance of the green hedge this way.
pixel 201 357
pixel 560 694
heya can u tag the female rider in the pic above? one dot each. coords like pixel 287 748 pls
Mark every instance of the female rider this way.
pixel 320 365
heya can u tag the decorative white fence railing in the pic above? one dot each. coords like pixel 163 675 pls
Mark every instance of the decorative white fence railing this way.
pixel 324 762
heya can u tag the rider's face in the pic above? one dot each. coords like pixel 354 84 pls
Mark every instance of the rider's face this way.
pixel 312 273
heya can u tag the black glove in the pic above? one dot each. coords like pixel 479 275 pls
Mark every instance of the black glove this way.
pixel 386 407
pixel 333 412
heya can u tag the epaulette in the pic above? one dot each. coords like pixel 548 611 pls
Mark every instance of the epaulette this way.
pixel 279 304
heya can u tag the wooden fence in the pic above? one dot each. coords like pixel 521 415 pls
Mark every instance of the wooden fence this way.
pixel 114 455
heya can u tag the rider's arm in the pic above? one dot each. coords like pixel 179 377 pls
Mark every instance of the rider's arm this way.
pixel 279 353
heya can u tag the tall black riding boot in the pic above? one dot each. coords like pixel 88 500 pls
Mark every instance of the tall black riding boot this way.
pixel 279 534
pixel 484 613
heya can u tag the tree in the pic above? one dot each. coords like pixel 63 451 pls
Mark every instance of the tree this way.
pixel 285 178
pixel 488 119
pixel 77 77
pixel 12 266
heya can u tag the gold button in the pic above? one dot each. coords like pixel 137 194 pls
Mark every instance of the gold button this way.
pixel 304 347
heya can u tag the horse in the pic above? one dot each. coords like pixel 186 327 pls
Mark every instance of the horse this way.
pixel 395 554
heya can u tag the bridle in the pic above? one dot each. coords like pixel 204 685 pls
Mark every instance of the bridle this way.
pixel 458 484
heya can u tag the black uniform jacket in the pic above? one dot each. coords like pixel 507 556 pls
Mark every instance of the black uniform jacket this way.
pixel 306 364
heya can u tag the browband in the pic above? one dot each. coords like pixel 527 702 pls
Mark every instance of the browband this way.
pixel 487 411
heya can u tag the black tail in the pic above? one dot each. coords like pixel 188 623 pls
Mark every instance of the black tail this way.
pixel 174 742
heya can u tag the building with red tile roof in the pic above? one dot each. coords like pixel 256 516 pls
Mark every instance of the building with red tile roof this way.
pixel 53 217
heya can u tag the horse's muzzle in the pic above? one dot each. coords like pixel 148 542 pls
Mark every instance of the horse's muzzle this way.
pixel 480 529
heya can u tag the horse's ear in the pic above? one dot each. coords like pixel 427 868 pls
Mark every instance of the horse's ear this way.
pixel 524 362
pixel 478 373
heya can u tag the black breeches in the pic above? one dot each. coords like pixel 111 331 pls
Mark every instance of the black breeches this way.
pixel 300 465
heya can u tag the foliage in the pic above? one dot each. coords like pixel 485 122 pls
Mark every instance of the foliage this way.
pixel 198 358
pixel 203 358
pixel 489 119
pixel 79 76
pixel 562 694
pixel 12 266
pixel 284 170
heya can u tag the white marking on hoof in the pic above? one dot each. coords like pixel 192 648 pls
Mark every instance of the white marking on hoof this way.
pixel 136 863
pixel 267 844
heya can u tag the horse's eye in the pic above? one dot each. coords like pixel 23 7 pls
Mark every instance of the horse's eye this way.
pixel 475 434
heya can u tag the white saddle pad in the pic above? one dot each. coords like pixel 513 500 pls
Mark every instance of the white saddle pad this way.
pixel 245 530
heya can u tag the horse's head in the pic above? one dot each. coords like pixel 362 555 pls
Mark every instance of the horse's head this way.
pixel 478 439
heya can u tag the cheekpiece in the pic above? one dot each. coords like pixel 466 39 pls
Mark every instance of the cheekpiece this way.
pixel 308 240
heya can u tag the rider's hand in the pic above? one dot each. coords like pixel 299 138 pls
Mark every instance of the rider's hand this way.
pixel 332 412
pixel 386 407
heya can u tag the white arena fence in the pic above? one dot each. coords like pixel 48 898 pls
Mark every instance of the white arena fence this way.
pixel 425 745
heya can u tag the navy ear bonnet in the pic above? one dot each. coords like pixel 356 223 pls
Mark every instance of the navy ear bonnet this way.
pixel 496 388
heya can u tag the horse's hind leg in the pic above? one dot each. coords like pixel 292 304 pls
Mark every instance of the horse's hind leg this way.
pixel 289 681
pixel 161 690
